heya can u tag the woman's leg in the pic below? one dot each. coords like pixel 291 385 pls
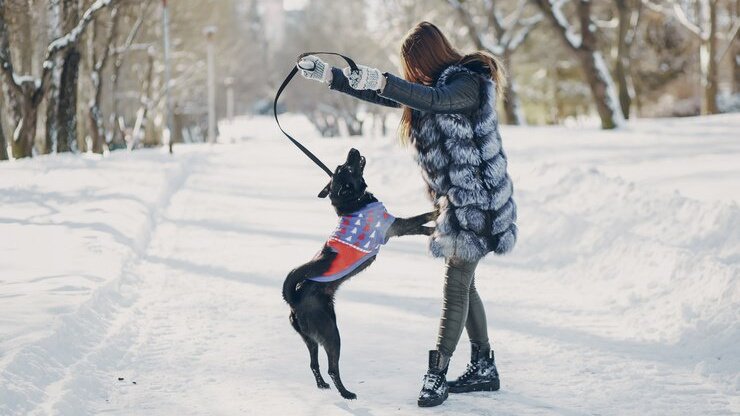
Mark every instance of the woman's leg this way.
pixel 481 374
pixel 476 324
pixel 458 279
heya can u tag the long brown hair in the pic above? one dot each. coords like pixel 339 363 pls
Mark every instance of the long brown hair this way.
pixel 425 52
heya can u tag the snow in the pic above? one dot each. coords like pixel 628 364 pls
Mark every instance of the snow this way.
pixel 23 79
pixel 621 297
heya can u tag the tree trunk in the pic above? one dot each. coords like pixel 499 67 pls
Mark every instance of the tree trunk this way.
pixel 354 126
pixel 24 23
pixel 708 62
pixel 96 129
pixel 621 71
pixel 602 89
pixel 591 61
pixel 118 138
pixel 96 77
pixel 67 110
pixel 3 143
pixel 177 124
pixel 52 98
pixel 512 105
pixel 736 55
pixel 736 68
pixel 52 105
pixel 25 132
pixel 66 117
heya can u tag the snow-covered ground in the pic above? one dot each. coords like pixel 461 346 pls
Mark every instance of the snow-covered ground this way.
pixel 621 297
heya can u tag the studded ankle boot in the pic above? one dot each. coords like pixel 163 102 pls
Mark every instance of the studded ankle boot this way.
pixel 481 374
pixel 434 390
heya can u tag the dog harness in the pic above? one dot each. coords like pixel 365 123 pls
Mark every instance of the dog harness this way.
pixel 357 238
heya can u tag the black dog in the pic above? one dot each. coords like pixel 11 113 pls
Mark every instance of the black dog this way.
pixel 309 289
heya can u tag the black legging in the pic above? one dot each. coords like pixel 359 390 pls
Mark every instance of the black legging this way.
pixel 462 308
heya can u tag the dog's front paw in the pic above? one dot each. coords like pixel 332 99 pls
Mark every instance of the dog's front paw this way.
pixel 323 385
pixel 433 215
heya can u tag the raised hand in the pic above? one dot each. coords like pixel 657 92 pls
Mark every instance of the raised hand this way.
pixel 312 67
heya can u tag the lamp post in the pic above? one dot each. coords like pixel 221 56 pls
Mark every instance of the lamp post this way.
pixel 210 33
pixel 167 101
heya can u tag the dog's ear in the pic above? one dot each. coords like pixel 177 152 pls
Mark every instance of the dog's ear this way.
pixel 324 192
pixel 352 155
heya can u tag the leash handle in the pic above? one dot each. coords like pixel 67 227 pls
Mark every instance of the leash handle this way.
pixel 286 81
pixel 350 62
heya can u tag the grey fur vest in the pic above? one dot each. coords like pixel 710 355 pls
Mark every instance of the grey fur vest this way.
pixel 464 167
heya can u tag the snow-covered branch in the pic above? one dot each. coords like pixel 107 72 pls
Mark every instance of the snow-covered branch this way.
pixel 509 35
pixel 733 34
pixel 688 24
pixel 112 32
pixel 74 35
pixel 467 20
pixel 137 25
pixel 493 18
pixel 70 38
pixel 554 11
pixel 521 34
pixel 680 15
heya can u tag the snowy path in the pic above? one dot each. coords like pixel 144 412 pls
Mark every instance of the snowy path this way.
pixel 603 309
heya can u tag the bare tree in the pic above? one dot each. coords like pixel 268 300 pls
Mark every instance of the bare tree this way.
pixel 61 102
pixel 703 23
pixel 509 32
pixel 120 54
pixel 100 60
pixel 592 62
pixel 26 92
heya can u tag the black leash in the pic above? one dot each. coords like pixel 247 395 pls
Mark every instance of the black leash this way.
pixel 302 148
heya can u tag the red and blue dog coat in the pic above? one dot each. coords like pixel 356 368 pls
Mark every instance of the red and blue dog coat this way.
pixel 357 238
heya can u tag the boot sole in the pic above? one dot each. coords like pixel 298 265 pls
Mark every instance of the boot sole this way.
pixel 490 386
pixel 433 403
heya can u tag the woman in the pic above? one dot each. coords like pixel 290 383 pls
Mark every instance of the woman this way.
pixel 449 116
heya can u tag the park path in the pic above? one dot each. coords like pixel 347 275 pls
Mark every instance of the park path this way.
pixel 202 329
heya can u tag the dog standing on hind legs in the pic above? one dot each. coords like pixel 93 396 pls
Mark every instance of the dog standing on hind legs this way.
pixel 364 225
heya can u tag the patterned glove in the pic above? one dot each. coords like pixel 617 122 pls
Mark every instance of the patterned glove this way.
pixel 365 78
pixel 314 68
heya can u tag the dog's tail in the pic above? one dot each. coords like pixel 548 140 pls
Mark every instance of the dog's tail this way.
pixel 315 267
pixel 290 284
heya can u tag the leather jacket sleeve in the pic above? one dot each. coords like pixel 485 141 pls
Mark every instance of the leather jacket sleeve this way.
pixel 340 83
pixel 460 95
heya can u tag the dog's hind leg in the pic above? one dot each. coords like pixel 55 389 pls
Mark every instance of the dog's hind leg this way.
pixel 332 345
pixel 313 351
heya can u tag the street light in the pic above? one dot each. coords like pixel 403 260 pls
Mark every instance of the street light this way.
pixel 210 33
pixel 167 72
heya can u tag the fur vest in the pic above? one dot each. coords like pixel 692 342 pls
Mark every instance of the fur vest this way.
pixel 464 167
